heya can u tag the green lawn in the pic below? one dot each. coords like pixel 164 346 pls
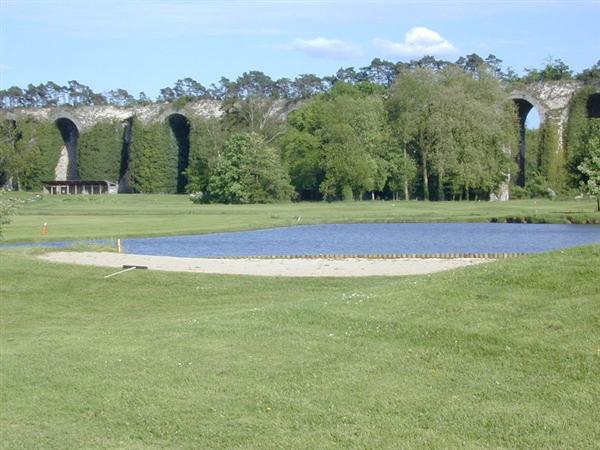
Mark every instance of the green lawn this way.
pixel 504 355
pixel 81 217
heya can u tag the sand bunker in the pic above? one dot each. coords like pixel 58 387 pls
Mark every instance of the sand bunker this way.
pixel 325 267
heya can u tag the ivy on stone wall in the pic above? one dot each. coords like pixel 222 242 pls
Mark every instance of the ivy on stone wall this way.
pixel 551 161
pixel 207 138
pixel 99 152
pixel 153 158
pixel 30 153
pixel 576 126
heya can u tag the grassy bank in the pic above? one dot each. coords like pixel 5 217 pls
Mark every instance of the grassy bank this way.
pixel 81 217
pixel 505 355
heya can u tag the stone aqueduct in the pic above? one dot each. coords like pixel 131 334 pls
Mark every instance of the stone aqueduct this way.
pixel 551 99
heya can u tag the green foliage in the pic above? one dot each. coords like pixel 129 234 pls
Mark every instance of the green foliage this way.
pixel 339 142
pixel 354 144
pixel 554 70
pixel 550 158
pixel 590 166
pixel 537 186
pixel 249 171
pixel 8 207
pixel 253 114
pixel 347 194
pixel 207 138
pixel 154 158
pixel 301 152
pixel 451 122
pixel 590 74
pixel 99 152
pixel 29 152
pixel 576 126
pixel 403 172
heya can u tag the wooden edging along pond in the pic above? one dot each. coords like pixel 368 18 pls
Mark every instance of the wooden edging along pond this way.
pixel 384 256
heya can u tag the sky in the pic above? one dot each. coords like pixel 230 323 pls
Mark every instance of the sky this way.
pixel 148 45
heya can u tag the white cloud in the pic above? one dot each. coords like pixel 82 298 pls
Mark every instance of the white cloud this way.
pixel 419 41
pixel 327 48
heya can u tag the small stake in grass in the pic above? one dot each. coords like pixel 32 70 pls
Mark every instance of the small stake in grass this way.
pixel 126 268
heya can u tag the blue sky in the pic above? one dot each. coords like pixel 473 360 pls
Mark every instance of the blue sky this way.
pixel 147 45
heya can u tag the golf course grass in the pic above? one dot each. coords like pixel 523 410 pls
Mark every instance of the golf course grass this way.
pixel 119 216
pixel 502 355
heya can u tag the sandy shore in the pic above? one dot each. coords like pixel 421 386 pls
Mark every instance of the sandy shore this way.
pixel 349 267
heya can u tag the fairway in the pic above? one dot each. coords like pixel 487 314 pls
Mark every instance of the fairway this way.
pixel 119 216
pixel 500 355
pixel 503 355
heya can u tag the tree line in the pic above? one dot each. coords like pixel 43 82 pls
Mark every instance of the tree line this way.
pixel 249 83
pixel 436 132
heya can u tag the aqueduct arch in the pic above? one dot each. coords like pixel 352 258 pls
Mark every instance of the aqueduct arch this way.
pixel 552 100
pixel 180 127
pixel 524 103
pixel 593 106
pixel 66 168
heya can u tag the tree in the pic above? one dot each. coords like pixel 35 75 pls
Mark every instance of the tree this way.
pixel 190 89
pixel 379 71
pixel 307 85
pixel 494 65
pixel 57 94
pixel 458 127
pixel 348 75
pixel 225 89
pixel 207 139
pixel 410 104
pixel 254 114
pixel 8 207
pixel 473 64
pixel 335 144
pixel 143 99
pixel 590 166
pixel 590 74
pixel 283 88
pixel 554 70
pixel 120 97
pixel 80 94
pixel 248 171
pixel 255 84
pixel 166 95
pixel 13 97
pixel 402 173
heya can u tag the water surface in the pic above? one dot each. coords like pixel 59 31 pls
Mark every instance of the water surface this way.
pixel 388 238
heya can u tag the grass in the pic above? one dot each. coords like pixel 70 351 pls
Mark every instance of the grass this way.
pixel 88 217
pixel 504 355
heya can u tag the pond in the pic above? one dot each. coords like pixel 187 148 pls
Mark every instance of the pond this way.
pixel 363 239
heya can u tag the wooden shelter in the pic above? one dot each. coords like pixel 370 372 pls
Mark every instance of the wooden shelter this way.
pixel 72 187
